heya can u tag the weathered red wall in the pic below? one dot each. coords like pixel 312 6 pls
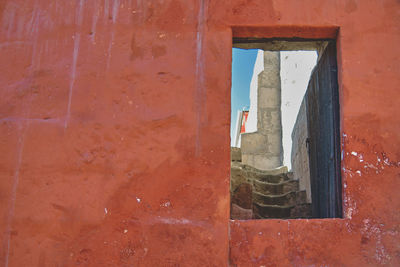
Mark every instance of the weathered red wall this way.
pixel 115 133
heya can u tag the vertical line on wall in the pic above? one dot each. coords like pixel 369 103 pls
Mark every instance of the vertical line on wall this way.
pixel 111 42
pixel 106 10
pixel 74 61
pixel 11 208
pixel 23 125
pixel 199 73
pixel 95 19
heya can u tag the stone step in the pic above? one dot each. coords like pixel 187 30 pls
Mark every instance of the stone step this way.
pixel 287 199
pixel 282 212
pixel 271 211
pixel 301 211
pixel 275 179
pixel 239 213
pixel 242 173
pixel 276 188
pixel 277 175
pixel 276 171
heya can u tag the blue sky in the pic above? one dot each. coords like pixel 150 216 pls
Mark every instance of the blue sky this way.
pixel 242 70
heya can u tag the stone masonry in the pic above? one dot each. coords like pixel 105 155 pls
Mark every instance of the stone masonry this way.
pixel 263 149
pixel 261 194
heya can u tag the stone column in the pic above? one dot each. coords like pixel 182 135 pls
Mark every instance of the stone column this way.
pixel 263 149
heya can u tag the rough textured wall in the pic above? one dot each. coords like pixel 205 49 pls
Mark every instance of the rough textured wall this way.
pixel 263 149
pixel 114 133
pixel 300 163
pixel 368 233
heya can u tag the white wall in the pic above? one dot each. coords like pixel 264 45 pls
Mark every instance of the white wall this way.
pixel 251 123
pixel 296 67
pixel 235 141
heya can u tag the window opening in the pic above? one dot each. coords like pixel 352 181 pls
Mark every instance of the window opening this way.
pixel 285 145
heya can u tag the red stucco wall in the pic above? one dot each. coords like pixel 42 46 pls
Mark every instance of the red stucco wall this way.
pixel 114 134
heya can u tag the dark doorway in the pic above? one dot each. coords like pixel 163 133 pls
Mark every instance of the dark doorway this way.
pixel 322 100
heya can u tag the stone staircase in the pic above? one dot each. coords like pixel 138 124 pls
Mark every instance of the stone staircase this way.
pixel 258 194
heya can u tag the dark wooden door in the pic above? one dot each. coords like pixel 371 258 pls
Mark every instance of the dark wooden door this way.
pixel 324 136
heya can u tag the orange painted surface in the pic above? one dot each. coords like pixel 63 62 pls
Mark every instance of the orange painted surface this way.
pixel 245 115
pixel 82 184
